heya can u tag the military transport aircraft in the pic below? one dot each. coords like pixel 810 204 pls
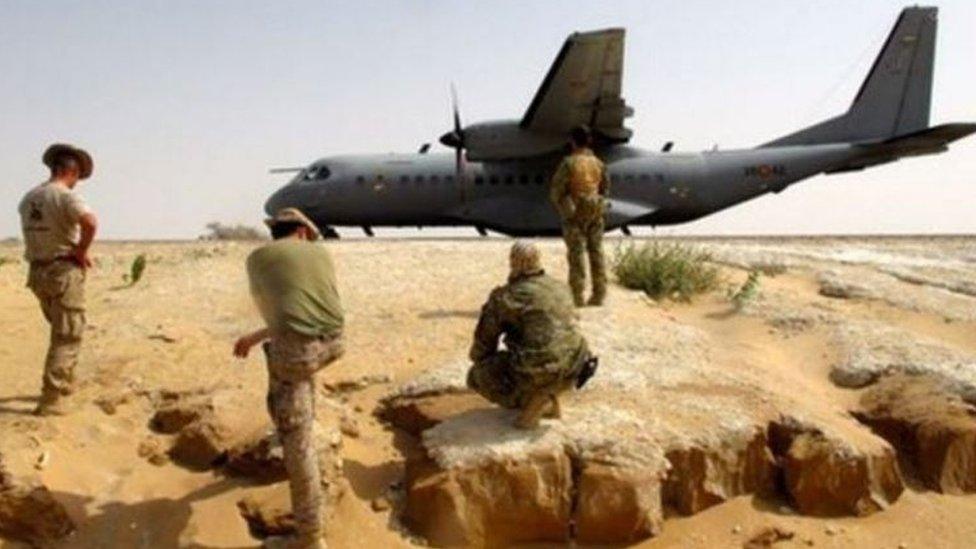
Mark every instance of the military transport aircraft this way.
pixel 498 176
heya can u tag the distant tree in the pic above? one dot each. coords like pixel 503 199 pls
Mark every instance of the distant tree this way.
pixel 219 231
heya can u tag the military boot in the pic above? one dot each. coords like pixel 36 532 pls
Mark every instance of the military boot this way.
pixel 51 405
pixel 534 410
pixel 555 411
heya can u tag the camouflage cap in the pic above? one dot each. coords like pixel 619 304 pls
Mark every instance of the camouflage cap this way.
pixel 292 215
pixel 57 150
pixel 525 258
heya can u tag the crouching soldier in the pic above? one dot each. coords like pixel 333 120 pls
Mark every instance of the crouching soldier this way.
pixel 545 355
pixel 294 286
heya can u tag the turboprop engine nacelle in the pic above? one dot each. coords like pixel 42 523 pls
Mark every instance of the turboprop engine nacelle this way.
pixel 502 140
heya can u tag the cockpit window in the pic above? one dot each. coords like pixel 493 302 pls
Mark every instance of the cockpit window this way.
pixel 321 172
pixel 315 173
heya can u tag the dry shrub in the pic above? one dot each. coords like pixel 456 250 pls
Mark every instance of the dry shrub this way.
pixel 665 270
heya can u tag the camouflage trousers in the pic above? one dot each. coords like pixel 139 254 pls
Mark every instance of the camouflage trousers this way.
pixel 584 239
pixel 293 360
pixel 501 379
pixel 60 290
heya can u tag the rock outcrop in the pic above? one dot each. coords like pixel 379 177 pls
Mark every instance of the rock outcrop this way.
pixel 268 515
pixel 703 474
pixel 933 429
pixel 825 474
pixel 206 427
pixel 29 513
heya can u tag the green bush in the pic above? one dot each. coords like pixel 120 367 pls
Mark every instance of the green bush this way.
pixel 665 270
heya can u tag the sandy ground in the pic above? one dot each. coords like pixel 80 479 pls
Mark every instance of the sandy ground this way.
pixel 412 306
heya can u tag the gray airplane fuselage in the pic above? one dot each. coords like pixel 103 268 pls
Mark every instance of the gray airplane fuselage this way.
pixel 505 186
pixel 648 188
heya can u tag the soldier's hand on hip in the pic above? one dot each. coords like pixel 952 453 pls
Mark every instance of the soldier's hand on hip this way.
pixel 81 258
pixel 242 347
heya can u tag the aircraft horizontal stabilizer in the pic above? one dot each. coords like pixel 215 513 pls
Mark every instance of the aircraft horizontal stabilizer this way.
pixel 928 141
pixel 934 139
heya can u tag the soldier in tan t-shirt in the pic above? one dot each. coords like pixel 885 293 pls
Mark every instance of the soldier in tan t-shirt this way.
pixel 58 231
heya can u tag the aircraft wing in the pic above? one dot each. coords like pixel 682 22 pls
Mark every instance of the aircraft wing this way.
pixel 583 87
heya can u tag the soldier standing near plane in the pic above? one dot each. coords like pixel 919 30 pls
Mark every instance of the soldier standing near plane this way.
pixel 578 191
pixel 545 354
pixel 294 287
pixel 58 229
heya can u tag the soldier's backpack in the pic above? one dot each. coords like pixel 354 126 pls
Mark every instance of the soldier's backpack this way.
pixel 585 176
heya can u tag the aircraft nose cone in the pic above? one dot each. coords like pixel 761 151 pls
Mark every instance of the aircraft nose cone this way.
pixel 276 201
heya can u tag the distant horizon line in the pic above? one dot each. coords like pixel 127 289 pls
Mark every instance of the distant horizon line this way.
pixel 617 236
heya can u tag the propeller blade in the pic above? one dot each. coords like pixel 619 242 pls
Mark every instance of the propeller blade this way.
pixel 457 111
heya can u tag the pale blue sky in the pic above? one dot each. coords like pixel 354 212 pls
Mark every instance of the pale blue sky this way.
pixel 186 104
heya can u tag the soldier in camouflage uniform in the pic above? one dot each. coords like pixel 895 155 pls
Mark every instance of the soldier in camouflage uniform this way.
pixel 578 191
pixel 294 286
pixel 545 354
pixel 58 229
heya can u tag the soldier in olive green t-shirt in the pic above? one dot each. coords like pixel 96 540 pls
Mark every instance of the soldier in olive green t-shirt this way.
pixel 294 286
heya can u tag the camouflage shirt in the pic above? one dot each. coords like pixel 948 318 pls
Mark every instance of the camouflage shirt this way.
pixel 579 185
pixel 536 317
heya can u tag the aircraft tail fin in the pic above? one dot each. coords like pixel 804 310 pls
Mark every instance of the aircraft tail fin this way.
pixel 895 97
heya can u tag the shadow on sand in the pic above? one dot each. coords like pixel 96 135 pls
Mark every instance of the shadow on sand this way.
pixel 30 401
pixel 158 522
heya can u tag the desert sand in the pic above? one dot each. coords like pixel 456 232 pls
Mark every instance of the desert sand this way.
pixel 834 318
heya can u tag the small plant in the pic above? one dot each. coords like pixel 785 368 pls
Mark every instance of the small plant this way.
pixel 747 292
pixel 665 270
pixel 136 270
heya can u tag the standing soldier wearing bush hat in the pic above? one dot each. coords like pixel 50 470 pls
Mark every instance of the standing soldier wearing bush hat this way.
pixel 58 229
pixel 578 191
pixel 294 287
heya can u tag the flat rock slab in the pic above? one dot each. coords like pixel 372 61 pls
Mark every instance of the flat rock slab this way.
pixel 866 351
pixel 416 414
pixel 933 428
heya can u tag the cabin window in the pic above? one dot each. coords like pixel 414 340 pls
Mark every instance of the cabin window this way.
pixel 404 178
pixel 479 180
pixel 629 177
pixel 615 177
pixel 539 179
pixel 493 179
pixel 645 177
pixel 418 179
pixel 509 179
pixel 448 179
pixel 360 179
pixel 523 179
pixel 435 179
